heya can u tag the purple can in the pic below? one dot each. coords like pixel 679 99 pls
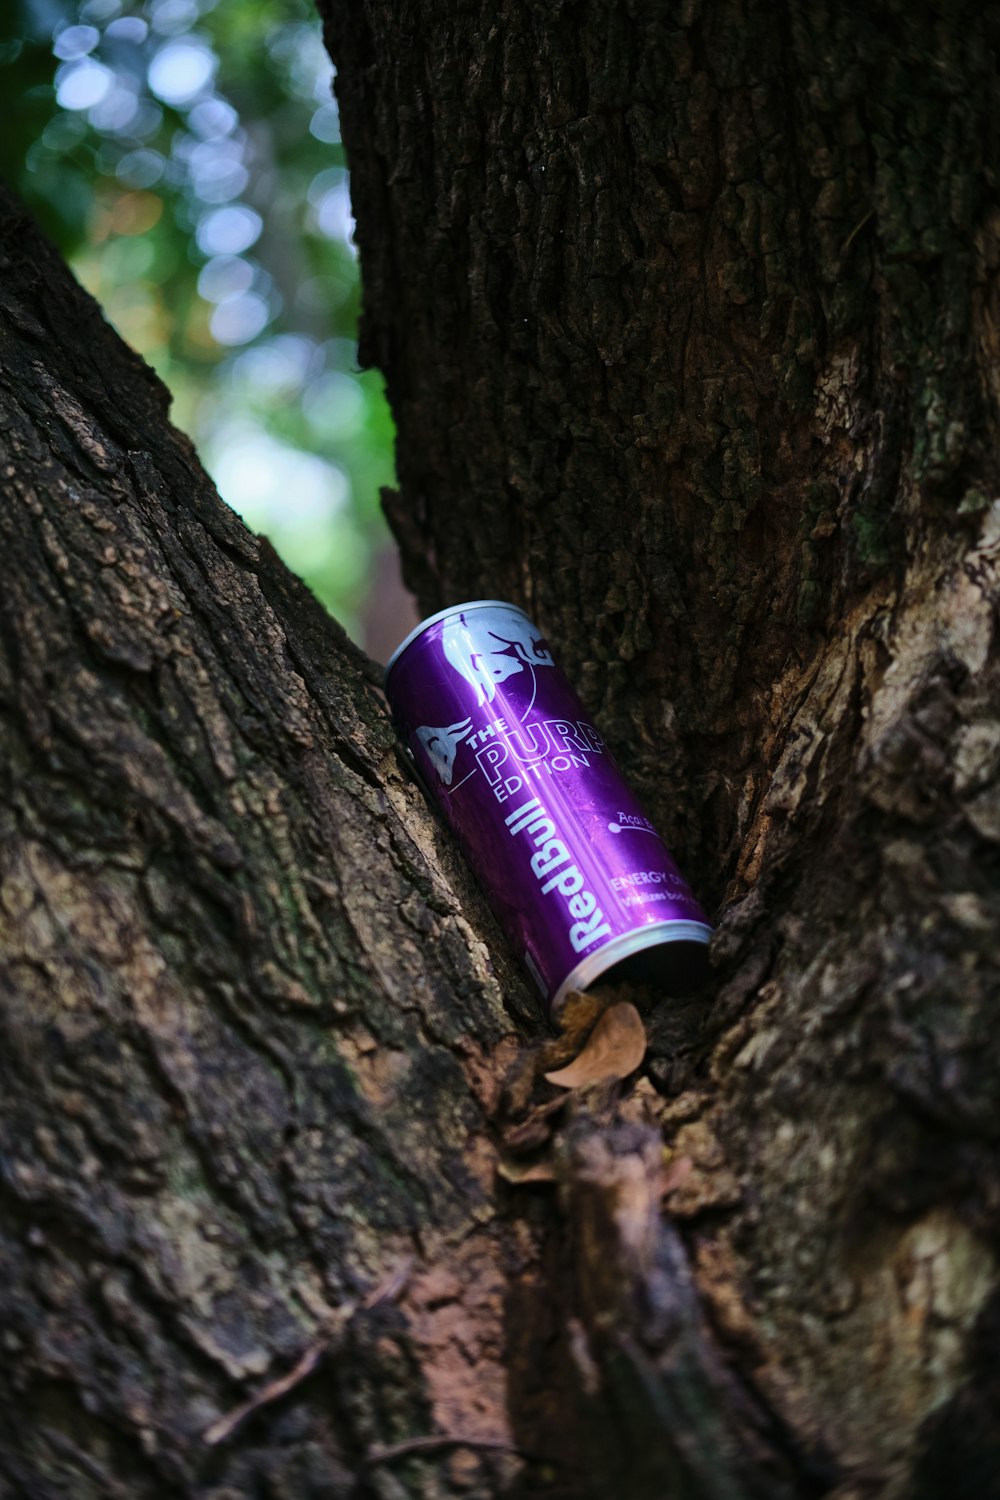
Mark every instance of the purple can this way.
pixel 579 876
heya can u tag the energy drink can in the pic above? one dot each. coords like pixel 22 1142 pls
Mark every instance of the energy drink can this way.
pixel 580 878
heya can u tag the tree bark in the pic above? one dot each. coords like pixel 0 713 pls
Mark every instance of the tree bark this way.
pixel 690 327
pixel 690 321
pixel 246 1022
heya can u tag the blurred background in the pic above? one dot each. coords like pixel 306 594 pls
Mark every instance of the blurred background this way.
pixel 185 156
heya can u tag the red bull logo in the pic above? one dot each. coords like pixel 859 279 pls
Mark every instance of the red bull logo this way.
pixel 442 746
pixel 488 648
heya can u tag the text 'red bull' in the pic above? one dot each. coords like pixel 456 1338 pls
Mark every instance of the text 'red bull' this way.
pixel 552 865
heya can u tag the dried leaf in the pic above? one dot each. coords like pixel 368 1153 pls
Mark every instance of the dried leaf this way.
pixel 580 1012
pixel 517 1172
pixel 615 1049
pixel 575 1020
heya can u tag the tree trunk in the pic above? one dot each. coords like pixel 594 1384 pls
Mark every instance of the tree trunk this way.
pixel 691 324
pixel 690 328
pixel 246 1023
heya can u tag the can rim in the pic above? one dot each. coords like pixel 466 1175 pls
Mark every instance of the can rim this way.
pixel 593 966
pixel 442 614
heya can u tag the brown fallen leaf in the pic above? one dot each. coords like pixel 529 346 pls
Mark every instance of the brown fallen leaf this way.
pixel 580 1012
pixel 615 1049
pixel 575 1021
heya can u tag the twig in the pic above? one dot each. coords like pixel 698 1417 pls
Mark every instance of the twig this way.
pixel 434 1442
pixel 392 1286
pixel 387 1291
pixel 855 232
pixel 226 1426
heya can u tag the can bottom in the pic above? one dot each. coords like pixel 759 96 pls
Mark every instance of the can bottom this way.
pixel 672 955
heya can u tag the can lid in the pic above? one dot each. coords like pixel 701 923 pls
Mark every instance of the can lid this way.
pixel 444 614
pixel 681 947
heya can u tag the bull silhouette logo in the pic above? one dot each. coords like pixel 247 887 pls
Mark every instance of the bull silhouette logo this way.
pixel 442 744
pixel 485 647
pixel 488 646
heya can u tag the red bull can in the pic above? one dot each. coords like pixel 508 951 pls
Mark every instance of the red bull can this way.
pixel 579 876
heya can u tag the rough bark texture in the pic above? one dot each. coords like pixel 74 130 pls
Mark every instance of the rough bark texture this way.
pixel 241 1004
pixel 691 323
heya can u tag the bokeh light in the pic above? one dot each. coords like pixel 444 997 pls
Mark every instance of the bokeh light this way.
pixel 186 155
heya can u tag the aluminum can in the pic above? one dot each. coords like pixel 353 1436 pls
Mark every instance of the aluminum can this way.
pixel 580 878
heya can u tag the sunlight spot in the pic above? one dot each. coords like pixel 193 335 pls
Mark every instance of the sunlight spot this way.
pixel 81 85
pixel 211 118
pixel 117 110
pixel 276 488
pixel 335 218
pixel 148 120
pixel 225 276
pixel 325 124
pixel 99 10
pixel 229 230
pixel 217 171
pixel 128 29
pixel 333 405
pixel 180 70
pixel 278 367
pixel 75 41
pixel 239 319
pixel 140 169
pixel 173 16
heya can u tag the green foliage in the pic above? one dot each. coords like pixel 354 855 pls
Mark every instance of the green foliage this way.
pixel 186 157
